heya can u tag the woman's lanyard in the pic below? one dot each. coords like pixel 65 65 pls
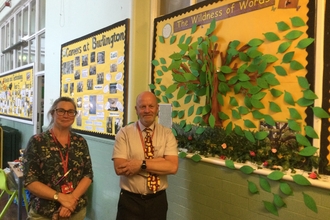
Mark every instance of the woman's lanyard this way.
pixel 141 137
pixel 66 160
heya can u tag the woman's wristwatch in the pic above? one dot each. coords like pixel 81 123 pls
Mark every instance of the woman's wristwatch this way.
pixel 56 196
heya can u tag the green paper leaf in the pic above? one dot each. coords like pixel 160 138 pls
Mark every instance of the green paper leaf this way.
pixel 238 130
pixel 264 184
pixel 235 114
pixel 229 128
pixel 187 99
pixel 182 154
pixel 271 36
pixel 284 47
pixel 196 158
pixel 294 34
pixel 171 88
pixel 276 93
pixel 257 114
pixel 249 136
pixel 309 94
pixel 287 58
pixel 262 83
pixel 274 107
pixel 193 28
pixel 211 121
pixel 246 169
pixel 243 110
pixel 182 38
pixel 174 132
pixel 249 124
pixel 297 21
pixel 200 130
pixel 309 202
pixel 320 112
pixel 270 207
pixel 293 125
pixel 233 101
pixel 294 114
pixel 230 164
pixel 282 26
pixel 226 69
pixel 305 102
pixel 188 128
pixel 211 28
pixel 288 98
pixel 155 62
pixel 152 86
pixel 257 104
pixel 197 120
pixel 252 187
pixel 301 180
pixel 305 43
pixel 302 140
pixel 180 113
pixel 260 135
pixel 295 65
pixel 310 132
pixel 191 110
pixel 303 82
pixel 275 175
pixel 278 201
pixel 255 42
pixel 308 151
pixel 161 39
pixel 181 93
pixel 223 116
pixel 280 71
pixel 286 189
pixel 269 120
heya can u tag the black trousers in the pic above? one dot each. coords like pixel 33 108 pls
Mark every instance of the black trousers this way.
pixel 133 206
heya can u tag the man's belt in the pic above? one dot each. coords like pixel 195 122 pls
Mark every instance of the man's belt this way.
pixel 143 196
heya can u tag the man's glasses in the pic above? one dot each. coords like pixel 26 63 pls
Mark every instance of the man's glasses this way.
pixel 61 112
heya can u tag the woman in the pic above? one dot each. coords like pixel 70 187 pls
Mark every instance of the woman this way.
pixel 57 167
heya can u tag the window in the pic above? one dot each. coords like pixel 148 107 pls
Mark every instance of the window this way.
pixel 22 38
pixel 169 6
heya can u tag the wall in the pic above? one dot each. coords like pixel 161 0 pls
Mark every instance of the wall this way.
pixel 68 20
pixel 209 192
pixel 198 190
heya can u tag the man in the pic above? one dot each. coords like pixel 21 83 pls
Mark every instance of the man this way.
pixel 140 198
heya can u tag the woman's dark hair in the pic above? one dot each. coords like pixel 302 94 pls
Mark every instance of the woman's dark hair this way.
pixel 53 108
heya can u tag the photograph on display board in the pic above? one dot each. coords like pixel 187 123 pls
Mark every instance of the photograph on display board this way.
pixel 94 74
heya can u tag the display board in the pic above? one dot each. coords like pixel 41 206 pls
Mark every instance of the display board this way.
pixel 94 74
pixel 16 95
pixel 219 62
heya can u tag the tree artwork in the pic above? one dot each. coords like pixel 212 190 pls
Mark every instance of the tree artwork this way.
pixel 201 71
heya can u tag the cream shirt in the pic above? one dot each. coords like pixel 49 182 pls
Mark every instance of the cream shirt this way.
pixel 128 145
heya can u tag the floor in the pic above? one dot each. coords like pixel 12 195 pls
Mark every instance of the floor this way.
pixel 11 213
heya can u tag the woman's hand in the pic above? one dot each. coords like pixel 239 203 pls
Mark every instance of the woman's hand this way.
pixel 64 212
pixel 68 201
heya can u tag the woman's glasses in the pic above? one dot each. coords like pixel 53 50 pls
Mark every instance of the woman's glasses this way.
pixel 61 112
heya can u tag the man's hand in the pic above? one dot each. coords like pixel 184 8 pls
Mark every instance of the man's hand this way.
pixel 129 167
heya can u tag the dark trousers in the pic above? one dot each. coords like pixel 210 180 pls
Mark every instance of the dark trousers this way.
pixel 133 206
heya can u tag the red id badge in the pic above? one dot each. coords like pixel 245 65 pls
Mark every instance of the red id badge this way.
pixel 67 188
